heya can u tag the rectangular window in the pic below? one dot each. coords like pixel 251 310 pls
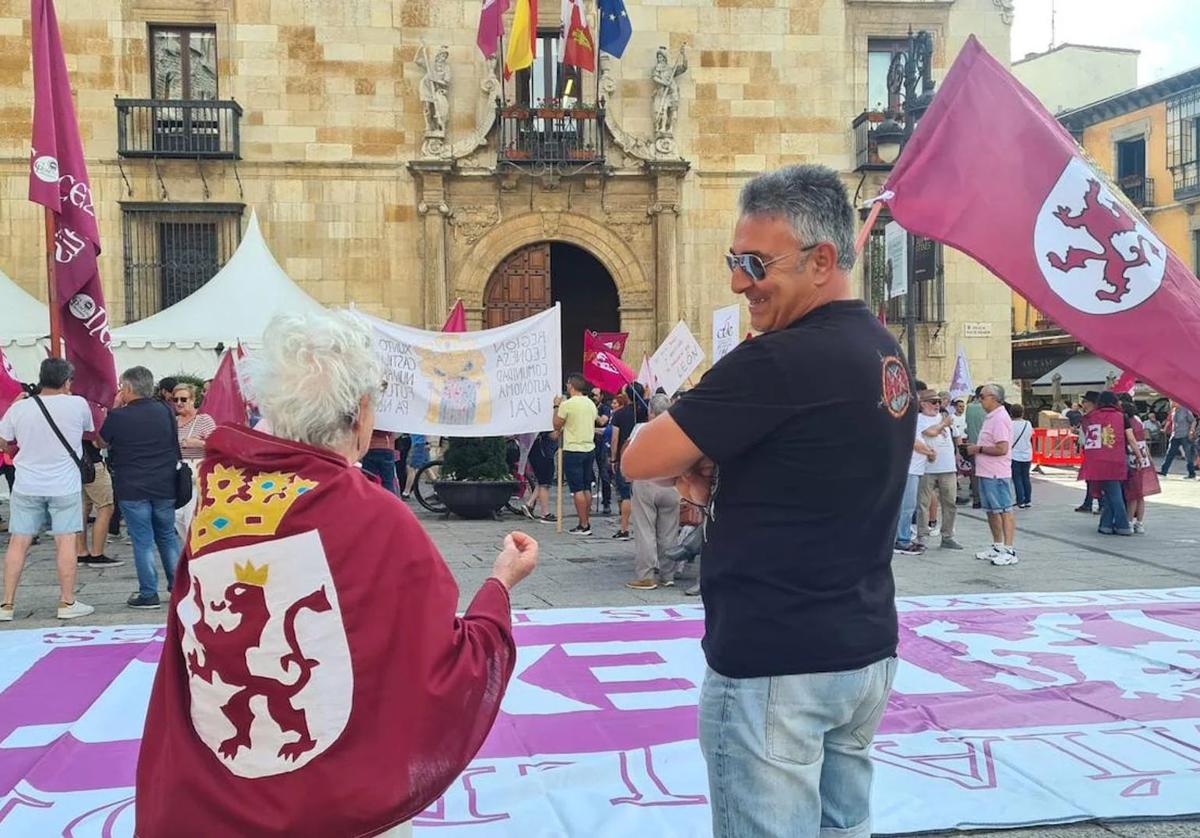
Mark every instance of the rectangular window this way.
pixel 548 80
pixel 173 249
pixel 1183 143
pixel 183 62
pixel 880 53
pixel 926 285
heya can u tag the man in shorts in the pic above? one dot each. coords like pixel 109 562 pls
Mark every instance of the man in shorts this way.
pixel 575 417
pixel 993 468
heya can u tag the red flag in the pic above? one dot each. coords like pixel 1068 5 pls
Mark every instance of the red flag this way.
pixel 10 387
pixel 603 367
pixel 58 180
pixel 614 342
pixel 990 172
pixel 1125 383
pixel 579 50
pixel 223 400
pixel 457 321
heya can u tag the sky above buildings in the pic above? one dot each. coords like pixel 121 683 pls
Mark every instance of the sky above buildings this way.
pixel 1166 31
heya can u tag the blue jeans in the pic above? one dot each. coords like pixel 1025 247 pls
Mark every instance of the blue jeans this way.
pixel 908 506
pixel 381 462
pixel 791 755
pixel 1113 515
pixel 1187 448
pixel 152 523
pixel 1021 483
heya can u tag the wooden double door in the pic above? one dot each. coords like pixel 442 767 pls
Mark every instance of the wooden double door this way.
pixel 519 287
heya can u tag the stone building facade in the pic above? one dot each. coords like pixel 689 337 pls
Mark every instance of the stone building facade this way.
pixel 363 203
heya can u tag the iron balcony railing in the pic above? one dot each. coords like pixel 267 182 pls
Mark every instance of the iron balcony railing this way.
pixel 551 135
pixel 866 147
pixel 188 128
pixel 1139 190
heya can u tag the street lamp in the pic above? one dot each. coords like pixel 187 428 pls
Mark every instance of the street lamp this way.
pixel 909 70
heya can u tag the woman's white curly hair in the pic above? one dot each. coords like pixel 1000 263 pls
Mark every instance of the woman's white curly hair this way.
pixel 310 375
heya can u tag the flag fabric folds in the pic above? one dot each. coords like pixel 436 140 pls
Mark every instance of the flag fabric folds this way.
pixel 612 341
pixel 615 28
pixel 491 26
pixel 578 49
pixel 457 320
pixel 522 43
pixel 10 387
pixel 603 367
pixel 58 180
pixel 990 172
pixel 223 400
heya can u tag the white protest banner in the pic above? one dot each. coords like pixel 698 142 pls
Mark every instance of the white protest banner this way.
pixel 726 323
pixel 895 244
pixel 497 382
pixel 676 358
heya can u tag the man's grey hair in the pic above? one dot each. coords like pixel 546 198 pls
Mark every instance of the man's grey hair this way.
pixel 812 199
pixel 660 403
pixel 55 373
pixel 311 374
pixel 995 389
pixel 140 381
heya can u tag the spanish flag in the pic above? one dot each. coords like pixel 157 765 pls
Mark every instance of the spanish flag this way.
pixel 522 45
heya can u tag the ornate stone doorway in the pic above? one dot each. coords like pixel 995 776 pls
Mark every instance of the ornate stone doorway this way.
pixel 535 277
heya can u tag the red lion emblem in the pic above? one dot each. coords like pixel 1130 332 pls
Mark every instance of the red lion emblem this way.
pixel 1104 222
pixel 225 654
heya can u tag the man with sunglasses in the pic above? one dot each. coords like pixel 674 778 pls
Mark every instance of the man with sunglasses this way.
pixel 800 619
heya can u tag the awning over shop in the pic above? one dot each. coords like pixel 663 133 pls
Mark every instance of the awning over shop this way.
pixel 1080 373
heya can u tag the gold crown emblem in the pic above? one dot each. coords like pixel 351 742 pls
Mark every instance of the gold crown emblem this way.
pixel 248 574
pixel 233 503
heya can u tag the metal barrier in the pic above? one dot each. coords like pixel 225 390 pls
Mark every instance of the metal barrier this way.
pixel 1056 447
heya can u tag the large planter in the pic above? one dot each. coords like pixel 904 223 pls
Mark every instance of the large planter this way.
pixel 475 499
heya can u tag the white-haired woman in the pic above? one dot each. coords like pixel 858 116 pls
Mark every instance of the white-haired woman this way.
pixel 314 679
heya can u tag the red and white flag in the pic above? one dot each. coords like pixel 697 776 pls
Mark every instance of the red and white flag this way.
pixel 613 341
pixel 58 180
pixel 223 400
pixel 990 172
pixel 1126 383
pixel 457 319
pixel 604 367
pixel 578 47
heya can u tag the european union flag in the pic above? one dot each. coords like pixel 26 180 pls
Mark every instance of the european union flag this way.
pixel 615 28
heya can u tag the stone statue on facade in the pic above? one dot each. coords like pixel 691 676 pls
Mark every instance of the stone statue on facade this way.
pixel 435 92
pixel 665 76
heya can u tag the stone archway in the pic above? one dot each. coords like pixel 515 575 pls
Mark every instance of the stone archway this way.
pixel 635 290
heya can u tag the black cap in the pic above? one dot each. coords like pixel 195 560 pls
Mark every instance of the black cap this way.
pixel 1092 396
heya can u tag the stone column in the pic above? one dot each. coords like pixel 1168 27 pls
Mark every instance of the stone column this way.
pixel 434 208
pixel 664 211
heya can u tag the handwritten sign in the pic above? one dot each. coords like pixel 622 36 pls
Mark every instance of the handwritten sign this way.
pixel 497 382
pixel 676 359
pixel 726 324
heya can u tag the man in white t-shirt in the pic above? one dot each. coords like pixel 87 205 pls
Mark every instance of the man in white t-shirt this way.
pixel 48 486
pixel 935 429
pixel 923 454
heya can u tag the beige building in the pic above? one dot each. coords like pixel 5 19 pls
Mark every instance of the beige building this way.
pixel 382 182
pixel 1070 75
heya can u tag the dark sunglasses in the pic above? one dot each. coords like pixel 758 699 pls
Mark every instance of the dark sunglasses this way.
pixel 753 264
pixel 178 400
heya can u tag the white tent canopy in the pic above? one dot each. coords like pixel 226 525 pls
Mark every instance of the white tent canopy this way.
pixel 235 305
pixel 24 326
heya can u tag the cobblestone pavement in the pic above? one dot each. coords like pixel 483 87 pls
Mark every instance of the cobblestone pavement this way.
pixel 1060 550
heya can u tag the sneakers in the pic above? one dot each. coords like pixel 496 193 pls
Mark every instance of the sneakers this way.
pixel 1139 528
pixel 621 535
pixel 548 518
pixel 1008 556
pixel 667 583
pixel 913 549
pixel 642 584
pixel 990 553
pixel 935 530
pixel 693 591
pixel 145 602
pixel 73 610
pixel 607 510
pixel 950 544
pixel 100 561
pixel 1085 508
pixel 6 613
pixel 580 530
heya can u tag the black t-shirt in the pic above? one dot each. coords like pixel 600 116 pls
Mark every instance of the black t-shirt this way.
pixel 812 429
pixel 623 419
pixel 143 452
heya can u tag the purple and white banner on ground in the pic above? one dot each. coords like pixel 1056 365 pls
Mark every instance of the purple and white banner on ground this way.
pixel 1008 709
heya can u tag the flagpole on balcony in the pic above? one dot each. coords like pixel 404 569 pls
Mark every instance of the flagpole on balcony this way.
pixel 52 289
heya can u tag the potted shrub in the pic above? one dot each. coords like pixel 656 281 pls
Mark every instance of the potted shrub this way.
pixel 476 480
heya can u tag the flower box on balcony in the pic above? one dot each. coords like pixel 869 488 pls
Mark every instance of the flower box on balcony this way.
pixel 515 113
pixel 581 154
pixel 517 154
pixel 582 113
pixel 551 113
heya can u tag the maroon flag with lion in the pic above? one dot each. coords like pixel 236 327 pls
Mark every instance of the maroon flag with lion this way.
pixel 990 172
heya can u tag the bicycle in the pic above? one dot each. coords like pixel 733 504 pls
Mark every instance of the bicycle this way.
pixel 426 492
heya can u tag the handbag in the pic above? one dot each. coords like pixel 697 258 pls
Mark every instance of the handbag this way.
pixel 87 469
pixel 183 472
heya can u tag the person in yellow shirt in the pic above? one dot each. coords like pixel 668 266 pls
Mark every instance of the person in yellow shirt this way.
pixel 575 418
